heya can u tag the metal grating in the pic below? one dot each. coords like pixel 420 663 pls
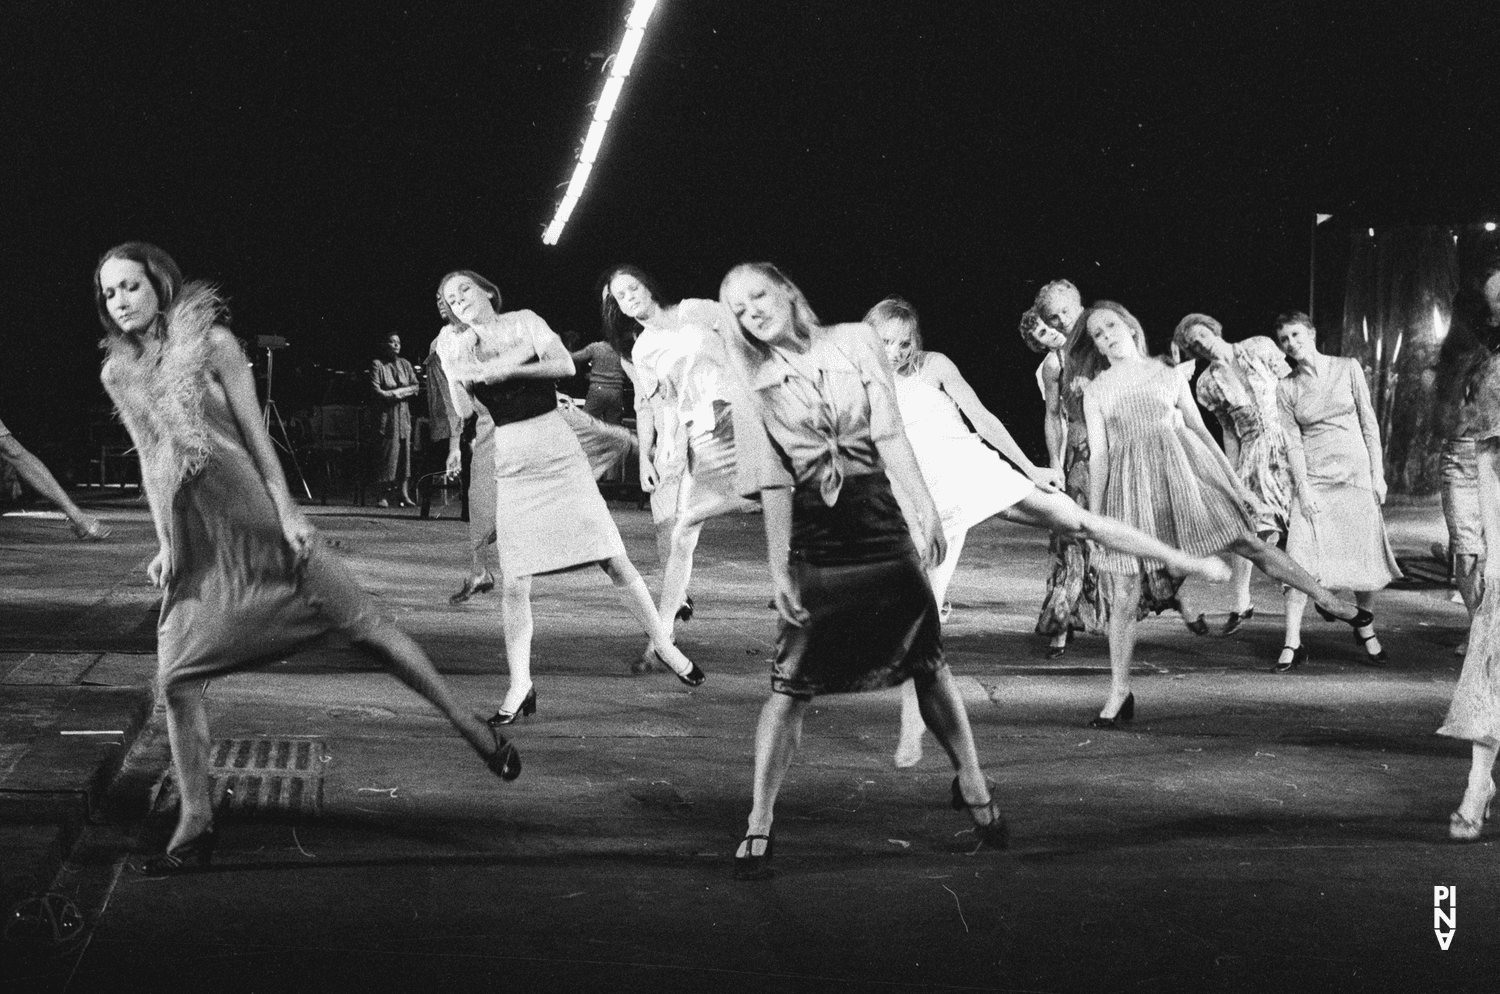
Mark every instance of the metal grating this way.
pixel 263 776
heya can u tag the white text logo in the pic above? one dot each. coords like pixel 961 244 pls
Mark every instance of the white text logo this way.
pixel 1444 914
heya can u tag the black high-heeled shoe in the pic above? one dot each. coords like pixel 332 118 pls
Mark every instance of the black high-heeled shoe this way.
pixel 1123 716
pixel 1057 651
pixel 1377 658
pixel 1361 619
pixel 471 587
pixel 1299 656
pixel 199 850
pixel 503 717
pixel 505 761
pixel 694 677
pixel 685 612
pixel 751 866
pixel 1198 626
pixel 1237 620
pixel 995 832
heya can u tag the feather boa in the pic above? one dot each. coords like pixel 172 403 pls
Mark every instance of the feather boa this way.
pixel 158 394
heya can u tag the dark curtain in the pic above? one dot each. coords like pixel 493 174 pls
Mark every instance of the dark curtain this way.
pixel 1397 305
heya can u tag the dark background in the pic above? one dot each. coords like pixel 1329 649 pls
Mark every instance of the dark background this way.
pixel 328 163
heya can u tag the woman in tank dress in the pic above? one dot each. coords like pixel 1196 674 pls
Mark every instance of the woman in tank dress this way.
pixel 549 513
pixel 684 418
pixel 1338 476
pixel 39 478
pixel 246 579
pixel 824 449
pixel 1153 465
pixel 1475 712
pixel 970 483
pixel 1239 388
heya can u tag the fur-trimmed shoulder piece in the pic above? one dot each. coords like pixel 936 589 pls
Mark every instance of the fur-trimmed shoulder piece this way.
pixel 159 389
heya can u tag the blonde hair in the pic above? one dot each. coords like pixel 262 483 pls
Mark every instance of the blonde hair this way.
pixel 899 311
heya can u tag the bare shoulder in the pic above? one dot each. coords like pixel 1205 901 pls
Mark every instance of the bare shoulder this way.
pixel 223 346
pixel 940 367
pixel 1052 366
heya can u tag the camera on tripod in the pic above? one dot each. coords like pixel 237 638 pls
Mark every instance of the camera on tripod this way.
pixel 269 342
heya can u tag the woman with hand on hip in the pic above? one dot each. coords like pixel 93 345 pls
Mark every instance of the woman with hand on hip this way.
pixel 1336 530
pixel 824 448
pixel 1239 388
pixel 969 482
pixel 246 579
pixel 1154 465
pixel 549 513
pixel 683 418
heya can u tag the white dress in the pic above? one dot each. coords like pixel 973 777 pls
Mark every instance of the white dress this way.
pixel 968 480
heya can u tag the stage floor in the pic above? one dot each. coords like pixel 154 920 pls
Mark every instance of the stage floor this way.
pixel 1248 832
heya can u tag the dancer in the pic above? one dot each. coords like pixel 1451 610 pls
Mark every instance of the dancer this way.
pixel 475 463
pixel 39 478
pixel 1239 388
pixel 1072 601
pixel 553 516
pixel 683 419
pixel 1153 465
pixel 1473 341
pixel 1338 479
pixel 970 483
pixel 246 578
pixel 393 382
pixel 1475 712
pixel 825 451
pixel 606 396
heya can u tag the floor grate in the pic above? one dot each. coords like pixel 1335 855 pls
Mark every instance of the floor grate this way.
pixel 262 776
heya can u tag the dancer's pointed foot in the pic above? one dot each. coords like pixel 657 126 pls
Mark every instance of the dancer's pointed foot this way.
pixel 1237 620
pixel 505 761
pixel 483 583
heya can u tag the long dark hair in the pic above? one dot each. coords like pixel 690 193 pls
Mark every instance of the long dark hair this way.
pixel 165 279
pixel 621 331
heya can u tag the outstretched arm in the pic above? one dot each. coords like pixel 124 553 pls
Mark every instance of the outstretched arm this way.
pixel 990 428
pixel 231 372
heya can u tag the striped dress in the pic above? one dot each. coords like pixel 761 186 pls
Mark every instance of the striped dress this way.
pixel 1162 478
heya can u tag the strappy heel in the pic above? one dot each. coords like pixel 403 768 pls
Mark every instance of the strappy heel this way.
pixel 503 717
pixel 1237 621
pixel 994 832
pixel 1299 656
pixel 694 677
pixel 751 866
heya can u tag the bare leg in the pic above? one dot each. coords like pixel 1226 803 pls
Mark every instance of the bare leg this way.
pixel 187 731
pixel 674 584
pixel 409 664
pixel 776 740
pixel 1125 596
pixel 1057 513
pixel 1284 569
pixel 1481 780
pixel 637 600
pixel 945 714
pixel 909 747
pixel 36 475
pixel 515 616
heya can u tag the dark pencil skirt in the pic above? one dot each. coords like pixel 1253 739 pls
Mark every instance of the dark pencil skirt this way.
pixel 874 623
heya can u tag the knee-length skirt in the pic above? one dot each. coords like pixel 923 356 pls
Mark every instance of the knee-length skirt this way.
pixel 873 622
pixel 549 514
